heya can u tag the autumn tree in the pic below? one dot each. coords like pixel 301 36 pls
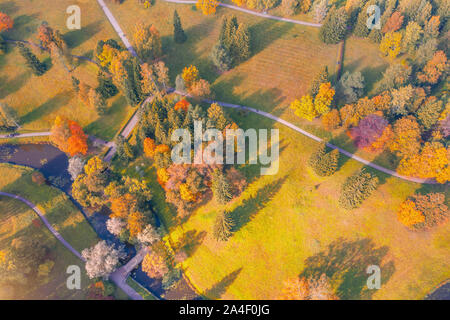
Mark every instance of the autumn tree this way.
pixel 295 289
pixel 434 68
pixel 200 88
pixel 407 137
pixel 423 211
pixel 290 7
pixel 320 10
pixel 431 162
pixel 412 37
pixel 394 23
pixel 429 113
pixel 368 130
pixel 89 187
pixel 6 22
pixel 322 77
pixel 154 265
pixel 357 188
pixel 324 98
pixel 68 136
pixel 395 76
pixel 391 44
pixel 350 87
pixel 147 41
pixel 313 288
pixel 304 108
pixel 149 147
pixel 190 75
pixel 223 226
pixel 331 120
pixel 179 35
pixel 207 6
pixel 38 68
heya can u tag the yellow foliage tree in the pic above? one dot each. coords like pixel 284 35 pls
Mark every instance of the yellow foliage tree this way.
pixel 207 6
pixel 190 75
pixel 185 193
pixel 154 265
pixel 324 98
pixel 304 108
pixel 409 215
pixel 391 45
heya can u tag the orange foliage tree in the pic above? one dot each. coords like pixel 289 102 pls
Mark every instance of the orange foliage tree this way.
pixel 183 104
pixel 409 215
pixel 434 68
pixel 149 147
pixel 68 136
pixel 432 162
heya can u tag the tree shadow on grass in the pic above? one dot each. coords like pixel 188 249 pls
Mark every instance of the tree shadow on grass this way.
pixel 265 32
pixel 190 241
pixel 78 37
pixel 24 26
pixel 217 290
pixel 14 85
pixel 48 107
pixel 9 7
pixel 345 263
pixel 250 207
pixel 182 55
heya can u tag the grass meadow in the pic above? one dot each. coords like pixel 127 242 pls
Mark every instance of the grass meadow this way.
pixel 290 223
pixel 38 100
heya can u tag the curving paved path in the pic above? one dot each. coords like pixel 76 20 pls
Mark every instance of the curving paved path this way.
pixel 119 31
pixel 255 13
pixel 46 222
pixel 120 275
pixel 26 135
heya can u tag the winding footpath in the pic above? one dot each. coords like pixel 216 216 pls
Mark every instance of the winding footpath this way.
pixel 26 135
pixel 119 276
pixel 45 221
pixel 123 37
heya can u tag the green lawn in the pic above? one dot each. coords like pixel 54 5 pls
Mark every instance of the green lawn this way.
pixel 142 291
pixel 16 221
pixel 38 100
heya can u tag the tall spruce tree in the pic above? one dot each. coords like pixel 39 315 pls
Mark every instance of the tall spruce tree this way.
pixel 357 188
pixel 223 226
pixel 334 28
pixel 179 35
pixel 321 77
pixel 221 187
pixel 32 61
pixel 323 163
pixel 106 86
